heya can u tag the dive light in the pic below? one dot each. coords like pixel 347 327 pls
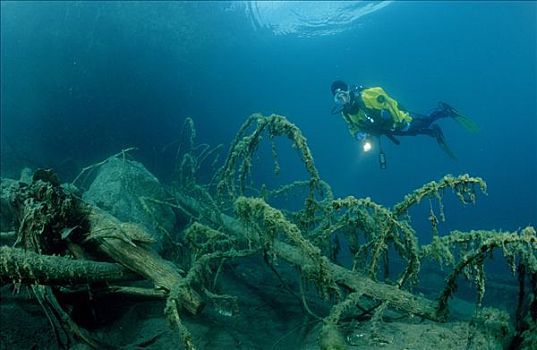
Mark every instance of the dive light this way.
pixel 367 146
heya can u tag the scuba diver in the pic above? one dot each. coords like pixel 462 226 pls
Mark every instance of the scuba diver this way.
pixel 372 112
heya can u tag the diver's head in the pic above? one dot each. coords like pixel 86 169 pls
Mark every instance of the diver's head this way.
pixel 338 85
pixel 340 91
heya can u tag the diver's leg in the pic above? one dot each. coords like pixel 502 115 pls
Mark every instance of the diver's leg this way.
pixel 437 133
pixel 423 124
pixel 418 125
pixel 440 112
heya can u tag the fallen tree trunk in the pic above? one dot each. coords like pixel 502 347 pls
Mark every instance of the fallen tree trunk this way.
pixel 124 247
pixel 395 297
pixel 23 266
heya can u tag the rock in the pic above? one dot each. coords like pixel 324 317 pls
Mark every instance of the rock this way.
pixel 26 176
pixel 120 188
pixel 7 212
pixel 8 187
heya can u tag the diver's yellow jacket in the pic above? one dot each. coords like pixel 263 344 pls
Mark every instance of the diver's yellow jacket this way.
pixel 368 110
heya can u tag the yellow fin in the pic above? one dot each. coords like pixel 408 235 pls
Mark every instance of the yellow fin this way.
pixel 466 122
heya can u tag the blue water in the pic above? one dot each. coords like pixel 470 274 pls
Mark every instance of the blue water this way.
pixel 80 81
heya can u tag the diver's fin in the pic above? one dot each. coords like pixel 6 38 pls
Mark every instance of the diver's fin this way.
pixel 466 123
pixel 463 120
pixel 393 139
pixel 440 139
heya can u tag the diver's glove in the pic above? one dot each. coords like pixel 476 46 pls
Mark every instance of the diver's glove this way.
pixel 360 136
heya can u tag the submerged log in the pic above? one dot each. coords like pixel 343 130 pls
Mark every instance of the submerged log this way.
pixel 395 297
pixel 23 266
pixel 125 245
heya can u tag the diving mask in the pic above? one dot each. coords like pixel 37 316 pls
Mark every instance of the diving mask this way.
pixel 342 97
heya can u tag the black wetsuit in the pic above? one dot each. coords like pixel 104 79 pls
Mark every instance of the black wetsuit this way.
pixel 422 125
